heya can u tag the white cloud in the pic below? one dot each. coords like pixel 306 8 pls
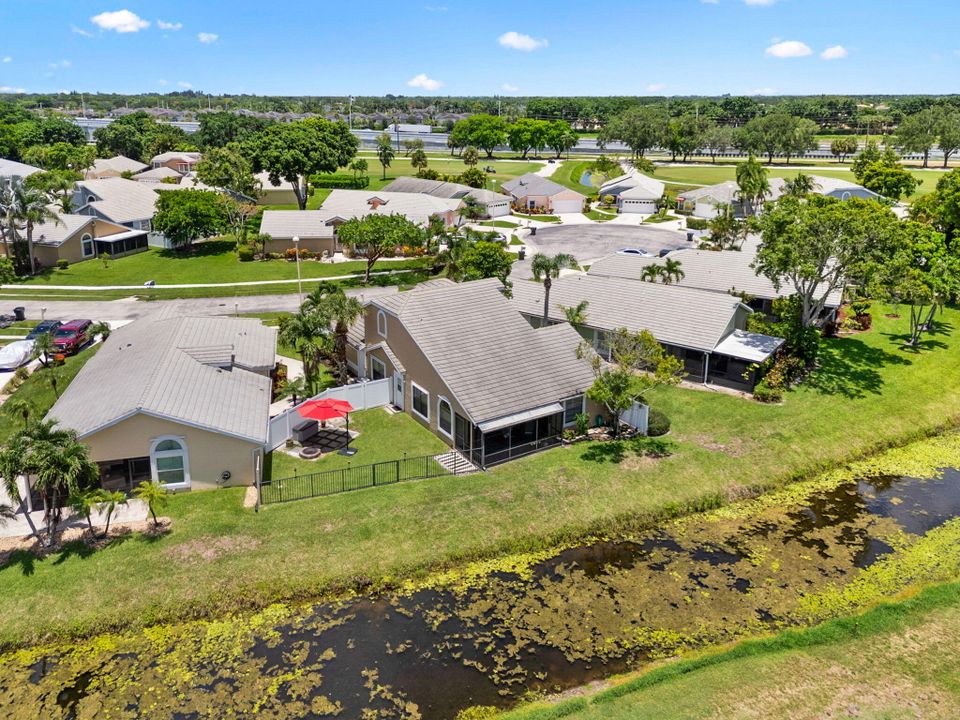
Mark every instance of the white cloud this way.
pixel 14 90
pixel 656 87
pixel 169 25
pixel 759 3
pixel 834 53
pixel 63 64
pixel 435 8
pixel 763 91
pixel 184 84
pixel 80 31
pixel 520 41
pixel 207 37
pixel 121 21
pixel 510 88
pixel 7 59
pixel 710 2
pixel 789 49
pixel 424 83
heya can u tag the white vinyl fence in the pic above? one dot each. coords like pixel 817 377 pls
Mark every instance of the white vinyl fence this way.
pixel 637 417
pixel 362 395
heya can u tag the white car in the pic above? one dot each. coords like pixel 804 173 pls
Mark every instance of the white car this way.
pixel 633 251
pixel 15 354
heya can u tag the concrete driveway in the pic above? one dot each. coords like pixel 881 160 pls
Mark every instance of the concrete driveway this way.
pixel 596 240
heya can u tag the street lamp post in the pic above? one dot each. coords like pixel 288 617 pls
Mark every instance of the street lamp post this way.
pixel 296 247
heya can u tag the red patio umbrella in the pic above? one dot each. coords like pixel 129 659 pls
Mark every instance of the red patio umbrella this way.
pixel 328 409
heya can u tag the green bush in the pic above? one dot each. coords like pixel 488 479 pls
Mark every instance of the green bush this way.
pixel 245 253
pixel 657 423
pixel 696 223
pixel 766 393
pixel 582 423
pixel 63 264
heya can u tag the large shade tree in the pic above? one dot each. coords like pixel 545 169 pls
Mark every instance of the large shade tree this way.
pixel 371 237
pixel 185 216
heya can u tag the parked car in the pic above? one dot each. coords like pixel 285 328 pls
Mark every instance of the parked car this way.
pixel 633 251
pixel 72 336
pixel 15 354
pixel 44 328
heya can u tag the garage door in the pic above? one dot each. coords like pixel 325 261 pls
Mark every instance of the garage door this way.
pixel 639 206
pixel 567 206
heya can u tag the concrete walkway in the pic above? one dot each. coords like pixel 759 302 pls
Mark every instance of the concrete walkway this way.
pixel 134 511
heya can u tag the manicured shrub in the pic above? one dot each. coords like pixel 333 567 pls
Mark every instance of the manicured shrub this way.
pixel 245 253
pixel 696 223
pixel 766 393
pixel 582 423
pixel 657 423
pixel 63 264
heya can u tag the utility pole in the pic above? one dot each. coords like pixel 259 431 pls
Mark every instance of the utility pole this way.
pixel 350 113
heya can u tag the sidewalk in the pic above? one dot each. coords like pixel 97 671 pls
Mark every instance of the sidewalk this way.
pixel 134 511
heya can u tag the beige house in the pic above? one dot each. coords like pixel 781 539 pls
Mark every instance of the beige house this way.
pixel 180 161
pixel 162 174
pixel 114 167
pixel 314 228
pixel 184 402
pixel 416 207
pixel 533 191
pixel 463 362
pixel 270 194
pixel 495 203
pixel 82 237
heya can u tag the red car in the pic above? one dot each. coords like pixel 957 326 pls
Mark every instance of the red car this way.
pixel 71 336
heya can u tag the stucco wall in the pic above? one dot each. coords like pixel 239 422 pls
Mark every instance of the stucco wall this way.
pixel 315 245
pixel 208 453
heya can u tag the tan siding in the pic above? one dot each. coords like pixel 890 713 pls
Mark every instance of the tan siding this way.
pixel 314 245
pixel 209 454
pixel 277 196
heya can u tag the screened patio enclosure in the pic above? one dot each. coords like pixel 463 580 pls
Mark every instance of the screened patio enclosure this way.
pixel 497 441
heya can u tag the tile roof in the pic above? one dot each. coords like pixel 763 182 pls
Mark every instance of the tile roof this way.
pixel 187 157
pixel 157 174
pixel 729 192
pixel 533 184
pixel 634 186
pixel 118 163
pixel 174 369
pixel 283 224
pixel 724 271
pixel 416 207
pixel 54 234
pixel 440 189
pixel 695 319
pixel 492 360
pixel 121 200
pixel 12 168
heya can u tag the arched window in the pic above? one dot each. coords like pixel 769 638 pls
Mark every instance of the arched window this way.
pixel 86 245
pixel 91 198
pixel 444 416
pixel 381 323
pixel 169 464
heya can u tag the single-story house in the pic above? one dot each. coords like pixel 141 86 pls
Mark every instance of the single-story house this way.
pixel 465 364
pixel 271 194
pixel 125 202
pixel 842 189
pixel 416 207
pixel 495 203
pixel 184 402
pixel 182 162
pixel 533 191
pixel 114 167
pixel 316 230
pixel 81 237
pixel 727 271
pixel 634 192
pixel 706 330
pixel 162 174
pixel 12 168
pixel 703 202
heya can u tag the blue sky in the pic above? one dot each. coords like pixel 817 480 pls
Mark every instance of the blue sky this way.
pixel 455 47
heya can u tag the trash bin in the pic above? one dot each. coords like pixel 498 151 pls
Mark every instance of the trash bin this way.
pixel 20 314
pixel 522 253
pixel 533 231
pixel 689 235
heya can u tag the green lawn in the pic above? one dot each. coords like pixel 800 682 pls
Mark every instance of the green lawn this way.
pixel 444 164
pixel 598 216
pixel 896 661
pixel 541 218
pixel 213 261
pixel 569 174
pixel 499 224
pixel 868 394
pixel 383 436
pixel 694 175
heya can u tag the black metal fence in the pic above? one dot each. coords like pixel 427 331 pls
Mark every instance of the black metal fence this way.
pixel 360 477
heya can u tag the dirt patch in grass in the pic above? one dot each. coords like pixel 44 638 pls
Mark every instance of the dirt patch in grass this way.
pixel 207 548
pixel 735 447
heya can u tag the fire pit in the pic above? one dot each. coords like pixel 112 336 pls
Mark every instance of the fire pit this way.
pixel 310 453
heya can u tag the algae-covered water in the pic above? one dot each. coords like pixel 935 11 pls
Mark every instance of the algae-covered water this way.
pixel 527 626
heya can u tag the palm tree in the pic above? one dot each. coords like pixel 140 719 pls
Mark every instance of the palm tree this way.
pixel 801 186
pixel 436 230
pixel 671 271
pixel 309 334
pixel 652 272
pixel 14 462
pixel 472 209
pixel 154 495
pixel 108 503
pixel 102 329
pixel 43 348
pixel 342 312
pixel 385 152
pixel 547 269
pixel 20 406
pixel 62 466
pixel 9 211
pixel 34 210
pixel 577 314
pixel 451 259
pixel 753 184
pixel 83 502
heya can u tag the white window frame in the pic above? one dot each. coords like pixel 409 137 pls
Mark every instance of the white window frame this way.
pixel 582 408
pixel 381 363
pixel 440 400
pixel 93 246
pixel 413 401
pixel 183 452
pixel 381 323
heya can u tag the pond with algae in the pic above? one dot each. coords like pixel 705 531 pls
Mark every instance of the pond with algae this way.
pixel 504 630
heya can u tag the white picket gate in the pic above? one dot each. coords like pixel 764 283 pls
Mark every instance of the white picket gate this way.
pixel 362 396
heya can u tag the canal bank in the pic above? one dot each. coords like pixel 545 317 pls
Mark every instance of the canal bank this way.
pixel 504 630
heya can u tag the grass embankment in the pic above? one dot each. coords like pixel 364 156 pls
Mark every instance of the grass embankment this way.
pixel 569 174
pixel 869 394
pixel 890 662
